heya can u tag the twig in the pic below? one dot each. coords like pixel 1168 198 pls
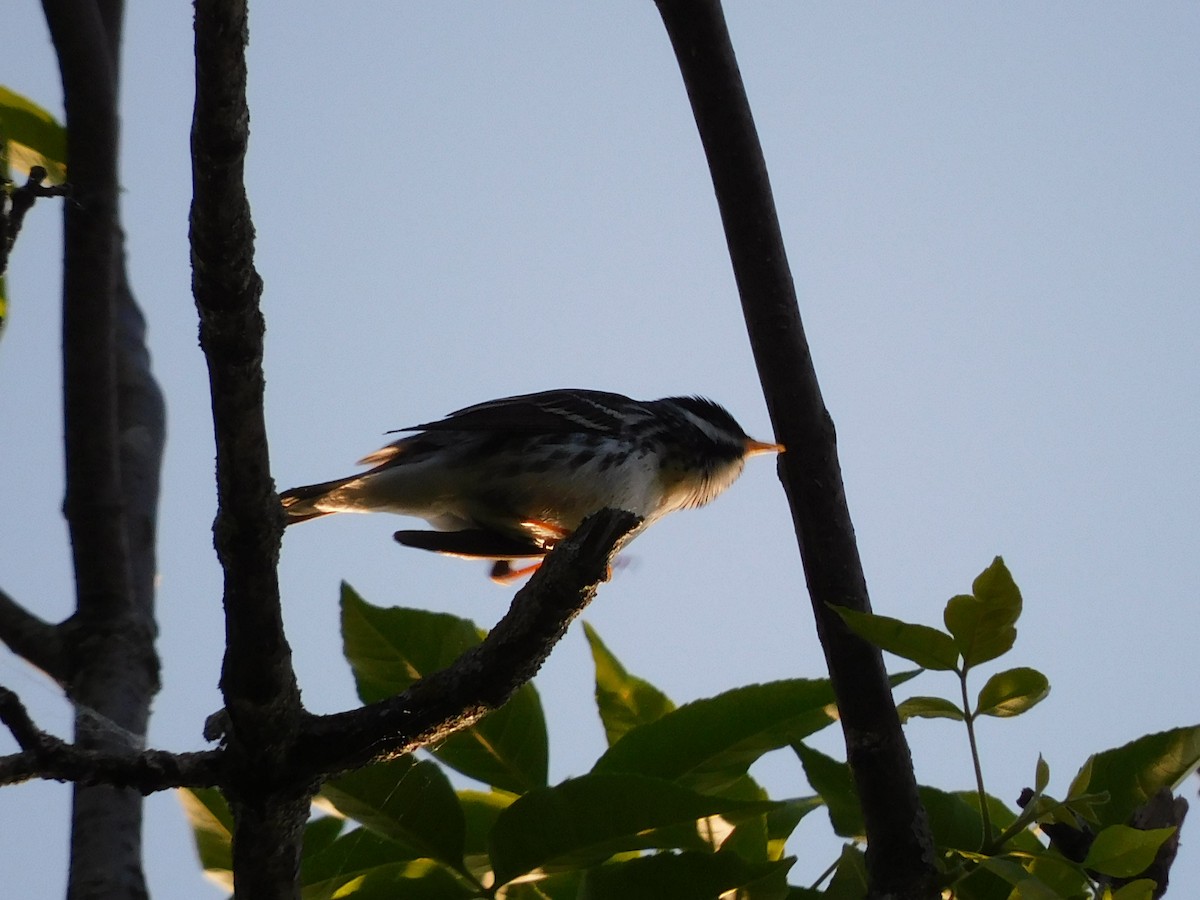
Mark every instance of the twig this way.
pixel 33 639
pixel 20 201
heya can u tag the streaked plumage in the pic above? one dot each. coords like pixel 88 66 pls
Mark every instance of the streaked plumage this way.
pixel 508 478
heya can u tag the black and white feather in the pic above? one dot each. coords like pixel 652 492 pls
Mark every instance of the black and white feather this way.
pixel 507 478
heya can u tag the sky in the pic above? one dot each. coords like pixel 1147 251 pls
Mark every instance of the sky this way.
pixel 992 214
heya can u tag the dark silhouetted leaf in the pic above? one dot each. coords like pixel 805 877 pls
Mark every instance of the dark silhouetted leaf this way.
pixel 407 801
pixel 711 742
pixel 832 780
pixel 389 649
pixel 684 876
pixel 585 820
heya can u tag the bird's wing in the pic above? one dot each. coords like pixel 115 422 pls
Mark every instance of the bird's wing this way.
pixel 474 543
pixel 548 412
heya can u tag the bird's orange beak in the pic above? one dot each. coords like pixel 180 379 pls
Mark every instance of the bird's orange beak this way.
pixel 753 447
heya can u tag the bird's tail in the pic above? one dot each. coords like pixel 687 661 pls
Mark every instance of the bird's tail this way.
pixel 300 503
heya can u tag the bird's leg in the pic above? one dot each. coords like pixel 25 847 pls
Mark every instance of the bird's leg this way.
pixel 504 573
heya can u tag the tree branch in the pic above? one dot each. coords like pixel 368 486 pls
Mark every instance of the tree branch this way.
pixel 257 678
pixel 476 683
pixel 113 668
pixel 485 677
pixel 93 502
pixel 14 206
pixel 48 757
pixel 33 639
pixel 899 850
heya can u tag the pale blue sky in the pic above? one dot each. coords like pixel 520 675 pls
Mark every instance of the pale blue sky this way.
pixel 993 217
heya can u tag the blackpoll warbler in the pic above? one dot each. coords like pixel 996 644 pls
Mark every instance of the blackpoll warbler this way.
pixel 506 479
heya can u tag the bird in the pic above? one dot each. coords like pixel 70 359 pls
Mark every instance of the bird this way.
pixel 507 479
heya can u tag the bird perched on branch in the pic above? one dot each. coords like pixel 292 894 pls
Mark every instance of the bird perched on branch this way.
pixel 507 479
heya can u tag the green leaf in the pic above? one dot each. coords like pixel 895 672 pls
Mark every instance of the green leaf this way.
pixel 927 647
pixel 782 821
pixel 31 136
pixel 1132 774
pixel 480 811
pixel 212 828
pixel 321 833
pixel 624 701
pixel 1041 775
pixel 1025 885
pixel 683 876
pixel 1079 784
pixel 977 883
pixel 407 801
pixel 747 837
pixel 983 624
pixel 849 881
pixel 389 649
pixel 587 819
pixel 956 823
pixel 1062 877
pixel 929 708
pixel 712 742
pixel 556 886
pixel 832 780
pixel 1124 852
pixel 418 879
pixel 1140 889
pixel 326 868
pixel 1012 692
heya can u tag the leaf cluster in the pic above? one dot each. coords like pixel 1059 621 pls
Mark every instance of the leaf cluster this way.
pixel 669 809
pixel 989 850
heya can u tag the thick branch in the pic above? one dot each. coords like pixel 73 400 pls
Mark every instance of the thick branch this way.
pixel 485 677
pixel 113 669
pixel 899 854
pixel 93 503
pixel 257 679
pixel 31 638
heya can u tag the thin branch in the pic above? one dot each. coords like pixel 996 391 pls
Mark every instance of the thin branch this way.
pixel 900 853
pixel 33 639
pixel 486 676
pixel 19 202
pixel 47 757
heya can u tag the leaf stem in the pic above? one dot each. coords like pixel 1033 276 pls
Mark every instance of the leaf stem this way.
pixel 829 871
pixel 969 721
